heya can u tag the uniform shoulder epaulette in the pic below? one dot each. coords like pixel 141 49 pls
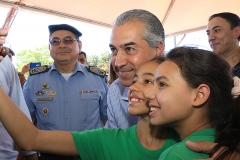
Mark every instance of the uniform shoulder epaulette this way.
pixel 38 70
pixel 96 71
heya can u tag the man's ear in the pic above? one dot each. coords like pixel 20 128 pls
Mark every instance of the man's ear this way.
pixel 80 45
pixel 160 49
pixel 237 32
pixel 201 95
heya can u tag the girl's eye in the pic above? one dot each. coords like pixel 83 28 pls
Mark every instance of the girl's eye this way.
pixel 148 81
pixel 161 84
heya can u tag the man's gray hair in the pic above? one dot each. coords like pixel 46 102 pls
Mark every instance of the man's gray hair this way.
pixel 154 32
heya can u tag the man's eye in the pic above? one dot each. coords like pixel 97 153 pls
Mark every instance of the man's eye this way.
pixel 68 39
pixel 56 40
pixel 113 49
pixel 129 49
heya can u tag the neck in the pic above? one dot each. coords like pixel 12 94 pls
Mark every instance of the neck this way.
pixel 233 57
pixel 187 129
pixel 151 137
pixel 66 68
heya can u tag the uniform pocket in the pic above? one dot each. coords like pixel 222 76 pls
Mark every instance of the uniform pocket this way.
pixel 89 106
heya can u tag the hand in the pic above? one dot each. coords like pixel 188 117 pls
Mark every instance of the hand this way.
pixel 25 68
pixel 206 147
pixel 3 35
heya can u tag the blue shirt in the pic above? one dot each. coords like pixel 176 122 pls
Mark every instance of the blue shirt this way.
pixel 118 116
pixel 10 83
pixel 78 104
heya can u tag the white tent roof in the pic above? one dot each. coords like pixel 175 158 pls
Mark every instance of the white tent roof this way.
pixel 177 16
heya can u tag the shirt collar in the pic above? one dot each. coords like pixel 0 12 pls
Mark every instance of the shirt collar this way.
pixel 78 68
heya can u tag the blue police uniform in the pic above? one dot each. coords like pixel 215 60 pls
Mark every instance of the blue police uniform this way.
pixel 78 104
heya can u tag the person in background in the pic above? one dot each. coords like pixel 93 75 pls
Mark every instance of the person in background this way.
pixel 223 32
pixel 82 58
pixel 66 96
pixel 137 37
pixel 25 68
pixel 21 74
pixel 12 88
pixel 113 71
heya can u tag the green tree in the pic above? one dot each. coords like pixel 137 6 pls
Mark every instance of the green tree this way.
pixel 36 55
pixel 101 61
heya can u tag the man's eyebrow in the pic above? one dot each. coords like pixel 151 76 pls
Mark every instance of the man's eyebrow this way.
pixel 111 46
pixel 213 28
pixel 129 43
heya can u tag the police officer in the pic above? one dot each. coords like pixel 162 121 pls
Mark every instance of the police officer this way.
pixel 66 95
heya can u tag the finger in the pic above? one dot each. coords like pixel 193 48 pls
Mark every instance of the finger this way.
pixel 203 147
pixel 4 32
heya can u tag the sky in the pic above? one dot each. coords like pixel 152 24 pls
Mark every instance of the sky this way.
pixel 30 30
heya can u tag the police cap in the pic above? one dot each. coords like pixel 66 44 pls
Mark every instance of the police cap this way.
pixel 56 27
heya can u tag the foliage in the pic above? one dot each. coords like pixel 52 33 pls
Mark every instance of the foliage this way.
pixel 37 55
pixel 101 61
pixel 42 55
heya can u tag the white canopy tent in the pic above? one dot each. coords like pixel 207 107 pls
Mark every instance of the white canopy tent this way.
pixel 178 16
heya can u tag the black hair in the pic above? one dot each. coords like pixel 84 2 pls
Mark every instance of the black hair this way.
pixel 198 66
pixel 83 54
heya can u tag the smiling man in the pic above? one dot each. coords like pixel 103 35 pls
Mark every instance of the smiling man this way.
pixel 66 95
pixel 223 32
pixel 137 37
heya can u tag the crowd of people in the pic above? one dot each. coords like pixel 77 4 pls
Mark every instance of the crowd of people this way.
pixel 158 106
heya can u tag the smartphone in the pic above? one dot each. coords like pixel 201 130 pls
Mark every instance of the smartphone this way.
pixel 10 18
pixel 35 64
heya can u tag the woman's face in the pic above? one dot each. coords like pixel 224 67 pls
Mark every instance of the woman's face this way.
pixel 142 84
pixel 171 98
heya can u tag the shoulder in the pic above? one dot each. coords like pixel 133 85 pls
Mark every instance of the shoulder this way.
pixel 96 71
pixel 39 70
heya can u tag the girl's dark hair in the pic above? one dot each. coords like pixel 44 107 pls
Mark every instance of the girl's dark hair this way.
pixel 199 66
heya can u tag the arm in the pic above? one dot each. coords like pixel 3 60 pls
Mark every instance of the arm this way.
pixel 28 137
pixel 206 147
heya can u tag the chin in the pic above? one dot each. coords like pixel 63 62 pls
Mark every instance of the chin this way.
pixel 126 82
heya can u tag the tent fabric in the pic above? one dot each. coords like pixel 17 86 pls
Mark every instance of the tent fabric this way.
pixel 178 16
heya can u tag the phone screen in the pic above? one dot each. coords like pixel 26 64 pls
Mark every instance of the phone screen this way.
pixel 35 64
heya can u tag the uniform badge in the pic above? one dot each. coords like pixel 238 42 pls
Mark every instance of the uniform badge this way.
pixel 96 71
pixel 45 111
pixel 45 86
pixel 38 70
pixel 40 93
pixel 51 93
pixel 88 91
pixel 83 92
